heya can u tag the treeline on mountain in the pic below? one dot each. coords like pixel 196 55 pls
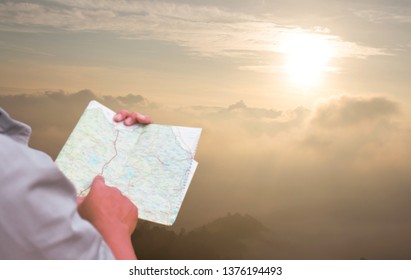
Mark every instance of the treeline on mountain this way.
pixel 232 237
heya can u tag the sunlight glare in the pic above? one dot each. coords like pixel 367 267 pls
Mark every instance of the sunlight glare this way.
pixel 307 56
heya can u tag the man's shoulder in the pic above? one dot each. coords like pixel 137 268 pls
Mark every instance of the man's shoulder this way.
pixel 16 151
pixel 21 163
pixel 14 129
pixel 9 147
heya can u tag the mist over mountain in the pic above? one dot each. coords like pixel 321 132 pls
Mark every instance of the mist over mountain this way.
pixel 234 236
pixel 328 182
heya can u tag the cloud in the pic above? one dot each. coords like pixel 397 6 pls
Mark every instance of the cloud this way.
pixel 348 111
pixel 26 50
pixel 261 68
pixel 131 98
pixel 390 14
pixel 345 197
pixel 251 121
pixel 45 108
pixel 202 30
pixel 240 109
pixel 53 115
pixel 347 126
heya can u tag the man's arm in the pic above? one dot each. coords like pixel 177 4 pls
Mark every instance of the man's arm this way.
pixel 38 210
pixel 113 215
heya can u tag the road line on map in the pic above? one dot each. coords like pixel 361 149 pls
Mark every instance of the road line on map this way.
pixel 115 148
pixel 184 143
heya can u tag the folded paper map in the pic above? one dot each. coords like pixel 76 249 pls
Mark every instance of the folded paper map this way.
pixel 151 164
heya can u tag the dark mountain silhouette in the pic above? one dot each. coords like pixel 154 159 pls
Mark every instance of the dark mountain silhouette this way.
pixel 232 237
pixel 236 226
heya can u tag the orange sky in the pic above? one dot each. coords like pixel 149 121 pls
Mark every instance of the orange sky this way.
pixel 207 52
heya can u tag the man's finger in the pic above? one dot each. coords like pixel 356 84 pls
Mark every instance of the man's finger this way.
pixel 141 118
pixel 80 200
pixel 98 181
pixel 130 121
pixel 121 115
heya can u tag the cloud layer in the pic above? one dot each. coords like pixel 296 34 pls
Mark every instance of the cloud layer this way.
pixel 346 111
pixel 331 181
pixel 203 30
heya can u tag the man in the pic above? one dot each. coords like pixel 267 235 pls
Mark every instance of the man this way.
pixel 40 217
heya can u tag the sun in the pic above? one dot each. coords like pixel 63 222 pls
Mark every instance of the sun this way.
pixel 307 56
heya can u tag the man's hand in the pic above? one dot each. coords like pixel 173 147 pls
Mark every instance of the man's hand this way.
pixel 113 215
pixel 131 118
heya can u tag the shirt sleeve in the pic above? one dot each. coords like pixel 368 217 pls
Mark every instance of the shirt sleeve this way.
pixel 38 209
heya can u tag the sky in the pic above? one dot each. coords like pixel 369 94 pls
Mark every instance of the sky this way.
pixel 304 105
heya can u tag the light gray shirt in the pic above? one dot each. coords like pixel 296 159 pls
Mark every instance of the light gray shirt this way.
pixel 38 208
